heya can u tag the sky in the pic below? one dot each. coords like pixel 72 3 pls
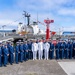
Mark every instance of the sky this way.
pixel 61 11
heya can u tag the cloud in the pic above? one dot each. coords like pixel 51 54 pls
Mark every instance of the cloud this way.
pixel 10 18
pixel 67 12
pixel 69 28
pixel 43 5
pixel 9 24
pixel 53 9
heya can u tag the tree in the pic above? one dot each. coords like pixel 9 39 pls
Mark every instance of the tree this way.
pixel 13 30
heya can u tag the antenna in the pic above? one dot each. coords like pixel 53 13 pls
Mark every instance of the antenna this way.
pixel 37 17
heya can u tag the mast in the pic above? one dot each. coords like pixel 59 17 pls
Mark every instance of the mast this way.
pixel 28 17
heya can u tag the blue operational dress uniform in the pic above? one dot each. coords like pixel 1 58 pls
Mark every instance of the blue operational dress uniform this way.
pixel 70 50
pixel 74 49
pixel 8 46
pixel 21 52
pixel 51 51
pixel 66 50
pixel 25 48
pixel 0 56
pixel 17 53
pixel 11 53
pixel 6 54
pixel 62 47
pixel 57 47
pixel 2 47
pixel 29 50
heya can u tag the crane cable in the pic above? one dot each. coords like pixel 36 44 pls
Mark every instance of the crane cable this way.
pixel 13 21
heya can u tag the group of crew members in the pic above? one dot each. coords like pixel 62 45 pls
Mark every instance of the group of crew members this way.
pixel 35 49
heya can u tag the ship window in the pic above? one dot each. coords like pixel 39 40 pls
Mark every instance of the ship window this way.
pixel 34 23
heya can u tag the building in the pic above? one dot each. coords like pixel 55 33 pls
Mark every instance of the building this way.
pixel 5 32
pixel 68 33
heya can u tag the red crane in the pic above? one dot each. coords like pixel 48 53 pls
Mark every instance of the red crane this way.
pixel 50 32
pixel 47 28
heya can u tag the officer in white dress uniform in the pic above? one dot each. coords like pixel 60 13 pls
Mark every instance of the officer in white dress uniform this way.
pixel 34 49
pixel 46 48
pixel 40 49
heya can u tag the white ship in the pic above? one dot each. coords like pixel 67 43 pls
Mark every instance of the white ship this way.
pixel 29 28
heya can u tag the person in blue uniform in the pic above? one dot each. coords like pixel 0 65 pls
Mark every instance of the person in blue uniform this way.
pixel 74 49
pixel 8 46
pixel 66 50
pixel 57 47
pixel 70 50
pixel 29 50
pixel 0 55
pixel 2 47
pixel 21 51
pixel 17 52
pixel 25 48
pixel 51 50
pixel 11 53
pixel 62 47
pixel 6 54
